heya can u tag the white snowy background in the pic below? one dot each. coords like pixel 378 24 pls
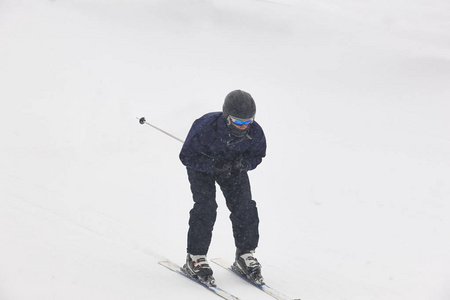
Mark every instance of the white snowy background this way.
pixel 354 98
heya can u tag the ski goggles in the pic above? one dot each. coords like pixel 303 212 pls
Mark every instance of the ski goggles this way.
pixel 240 122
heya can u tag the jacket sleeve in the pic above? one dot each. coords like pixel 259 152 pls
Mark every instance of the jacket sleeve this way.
pixel 193 153
pixel 257 151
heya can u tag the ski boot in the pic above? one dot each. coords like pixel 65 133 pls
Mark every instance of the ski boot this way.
pixel 198 268
pixel 248 266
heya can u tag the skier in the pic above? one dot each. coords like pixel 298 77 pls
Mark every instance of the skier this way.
pixel 221 147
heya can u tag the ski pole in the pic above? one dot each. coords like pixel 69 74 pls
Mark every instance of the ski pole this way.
pixel 143 121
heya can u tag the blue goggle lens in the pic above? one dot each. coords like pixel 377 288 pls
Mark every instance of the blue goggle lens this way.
pixel 241 122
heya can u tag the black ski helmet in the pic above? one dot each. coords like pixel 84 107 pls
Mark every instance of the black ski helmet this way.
pixel 239 104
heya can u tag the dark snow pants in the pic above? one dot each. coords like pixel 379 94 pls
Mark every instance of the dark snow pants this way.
pixel 244 214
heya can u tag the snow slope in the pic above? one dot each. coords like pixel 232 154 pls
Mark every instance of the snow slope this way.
pixel 354 100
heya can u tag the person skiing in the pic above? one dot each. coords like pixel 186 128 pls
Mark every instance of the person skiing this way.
pixel 221 147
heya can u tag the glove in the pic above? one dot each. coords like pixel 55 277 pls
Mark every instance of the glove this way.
pixel 222 165
pixel 240 164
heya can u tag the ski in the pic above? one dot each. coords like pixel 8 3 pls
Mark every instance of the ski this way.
pixel 216 290
pixel 265 288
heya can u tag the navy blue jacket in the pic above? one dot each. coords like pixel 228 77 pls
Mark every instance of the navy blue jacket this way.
pixel 210 138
